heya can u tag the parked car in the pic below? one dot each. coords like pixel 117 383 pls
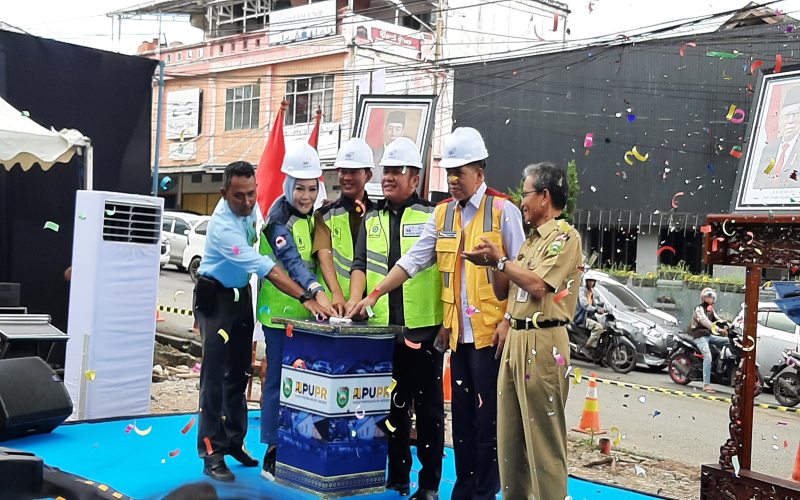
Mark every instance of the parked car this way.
pixel 775 333
pixel 651 330
pixel 193 252
pixel 176 227
pixel 165 247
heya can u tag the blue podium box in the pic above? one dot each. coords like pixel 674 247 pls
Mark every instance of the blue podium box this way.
pixel 335 398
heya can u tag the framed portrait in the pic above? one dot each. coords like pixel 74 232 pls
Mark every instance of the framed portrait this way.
pixel 767 179
pixel 381 119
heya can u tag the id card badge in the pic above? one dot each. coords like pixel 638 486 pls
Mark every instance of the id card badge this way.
pixel 522 295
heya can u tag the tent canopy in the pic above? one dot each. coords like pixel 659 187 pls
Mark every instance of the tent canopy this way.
pixel 24 141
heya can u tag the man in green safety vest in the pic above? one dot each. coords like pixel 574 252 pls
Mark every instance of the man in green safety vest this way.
pixel 388 231
pixel 336 225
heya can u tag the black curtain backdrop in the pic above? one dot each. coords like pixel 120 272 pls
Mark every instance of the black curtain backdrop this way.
pixel 108 97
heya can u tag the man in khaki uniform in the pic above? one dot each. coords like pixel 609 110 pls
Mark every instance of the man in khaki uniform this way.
pixel 531 386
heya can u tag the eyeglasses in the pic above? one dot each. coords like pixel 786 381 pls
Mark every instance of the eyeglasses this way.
pixel 526 193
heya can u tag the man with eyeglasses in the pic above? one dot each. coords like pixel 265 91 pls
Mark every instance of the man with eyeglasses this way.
pixel 473 315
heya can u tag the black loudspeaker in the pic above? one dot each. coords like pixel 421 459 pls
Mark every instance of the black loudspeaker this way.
pixel 21 475
pixel 33 399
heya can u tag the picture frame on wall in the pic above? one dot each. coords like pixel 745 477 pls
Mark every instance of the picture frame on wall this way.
pixel 768 178
pixel 380 119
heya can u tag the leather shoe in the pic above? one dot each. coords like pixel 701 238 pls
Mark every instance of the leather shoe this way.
pixel 243 457
pixel 423 494
pixel 402 488
pixel 218 471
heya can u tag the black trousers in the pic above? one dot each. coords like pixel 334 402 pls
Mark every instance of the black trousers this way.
pixel 224 373
pixel 418 373
pixel 473 379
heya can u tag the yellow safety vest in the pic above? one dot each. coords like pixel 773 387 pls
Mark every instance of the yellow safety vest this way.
pixel 342 241
pixel 421 304
pixel 451 240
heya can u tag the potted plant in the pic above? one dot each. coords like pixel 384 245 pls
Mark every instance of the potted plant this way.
pixel 676 272
pixel 621 274
pixel 648 279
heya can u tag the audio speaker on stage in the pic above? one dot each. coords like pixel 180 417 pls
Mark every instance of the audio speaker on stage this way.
pixel 33 399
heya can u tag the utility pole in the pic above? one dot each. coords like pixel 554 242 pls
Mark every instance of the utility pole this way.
pixel 437 55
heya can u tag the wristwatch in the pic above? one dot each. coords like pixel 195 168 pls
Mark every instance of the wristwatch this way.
pixel 305 296
pixel 501 264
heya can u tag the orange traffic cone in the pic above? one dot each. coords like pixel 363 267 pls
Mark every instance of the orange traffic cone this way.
pixel 796 470
pixel 159 317
pixel 448 391
pixel 590 420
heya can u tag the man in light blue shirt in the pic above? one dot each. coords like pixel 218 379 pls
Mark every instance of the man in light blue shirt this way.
pixel 224 311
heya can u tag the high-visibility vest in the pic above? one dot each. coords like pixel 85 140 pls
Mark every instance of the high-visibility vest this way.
pixel 421 294
pixel 489 309
pixel 342 241
pixel 271 301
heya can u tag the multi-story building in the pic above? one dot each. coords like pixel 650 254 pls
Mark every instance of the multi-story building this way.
pixel 221 95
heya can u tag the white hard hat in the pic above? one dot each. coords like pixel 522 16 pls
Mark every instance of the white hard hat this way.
pixel 464 146
pixel 301 161
pixel 354 153
pixel 708 292
pixel 401 152
pixel 592 275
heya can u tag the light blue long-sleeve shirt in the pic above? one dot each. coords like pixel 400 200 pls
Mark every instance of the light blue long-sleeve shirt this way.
pixel 228 254
pixel 423 253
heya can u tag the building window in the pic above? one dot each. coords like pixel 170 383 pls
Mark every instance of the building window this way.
pixel 189 55
pixel 305 95
pixel 216 177
pixel 233 47
pixel 197 178
pixel 244 44
pixel 178 56
pixel 200 53
pixel 258 42
pixel 242 107
pixel 221 48
pixel 169 58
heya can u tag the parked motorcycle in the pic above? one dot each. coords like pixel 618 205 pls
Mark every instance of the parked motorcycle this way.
pixel 613 349
pixel 686 360
pixel 786 384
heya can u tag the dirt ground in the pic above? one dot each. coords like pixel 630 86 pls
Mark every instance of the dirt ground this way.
pixel 651 475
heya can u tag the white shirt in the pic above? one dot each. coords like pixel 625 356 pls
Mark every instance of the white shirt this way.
pixel 423 254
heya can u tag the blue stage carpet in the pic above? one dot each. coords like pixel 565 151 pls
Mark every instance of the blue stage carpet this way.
pixel 141 466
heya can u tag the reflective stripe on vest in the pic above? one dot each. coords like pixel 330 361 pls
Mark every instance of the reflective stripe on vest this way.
pixel 422 305
pixel 338 221
pixel 271 301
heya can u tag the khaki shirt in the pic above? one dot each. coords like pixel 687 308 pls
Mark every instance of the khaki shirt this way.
pixel 553 252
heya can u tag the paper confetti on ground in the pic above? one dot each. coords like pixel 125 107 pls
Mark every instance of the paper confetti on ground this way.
pixel 142 432
pixel 175 453
pixel 188 426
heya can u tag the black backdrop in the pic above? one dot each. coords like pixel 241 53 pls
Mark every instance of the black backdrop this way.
pixel 108 97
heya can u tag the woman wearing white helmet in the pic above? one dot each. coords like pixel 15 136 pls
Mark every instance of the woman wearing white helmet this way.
pixel 703 329
pixel 286 237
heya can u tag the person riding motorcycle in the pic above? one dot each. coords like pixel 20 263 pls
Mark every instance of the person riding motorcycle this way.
pixel 585 314
pixel 704 330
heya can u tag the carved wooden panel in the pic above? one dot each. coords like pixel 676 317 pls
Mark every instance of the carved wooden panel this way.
pixel 717 483
pixel 753 240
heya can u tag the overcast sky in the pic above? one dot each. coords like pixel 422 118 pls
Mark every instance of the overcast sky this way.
pixel 85 22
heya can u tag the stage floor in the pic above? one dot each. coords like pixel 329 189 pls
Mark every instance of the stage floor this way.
pixel 141 466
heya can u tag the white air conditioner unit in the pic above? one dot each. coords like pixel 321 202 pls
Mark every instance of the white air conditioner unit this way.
pixel 112 306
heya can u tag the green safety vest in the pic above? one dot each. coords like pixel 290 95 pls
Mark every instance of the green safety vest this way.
pixel 422 304
pixel 342 242
pixel 273 302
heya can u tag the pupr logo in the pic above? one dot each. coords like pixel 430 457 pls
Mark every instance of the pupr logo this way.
pixel 348 155
pixel 287 387
pixel 342 396
pixel 451 152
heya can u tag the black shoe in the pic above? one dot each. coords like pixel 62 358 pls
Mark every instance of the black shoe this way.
pixel 243 457
pixel 268 467
pixel 402 488
pixel 218 471
pixel 422 494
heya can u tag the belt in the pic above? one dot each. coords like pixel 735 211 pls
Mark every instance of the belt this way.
pixel 527 324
